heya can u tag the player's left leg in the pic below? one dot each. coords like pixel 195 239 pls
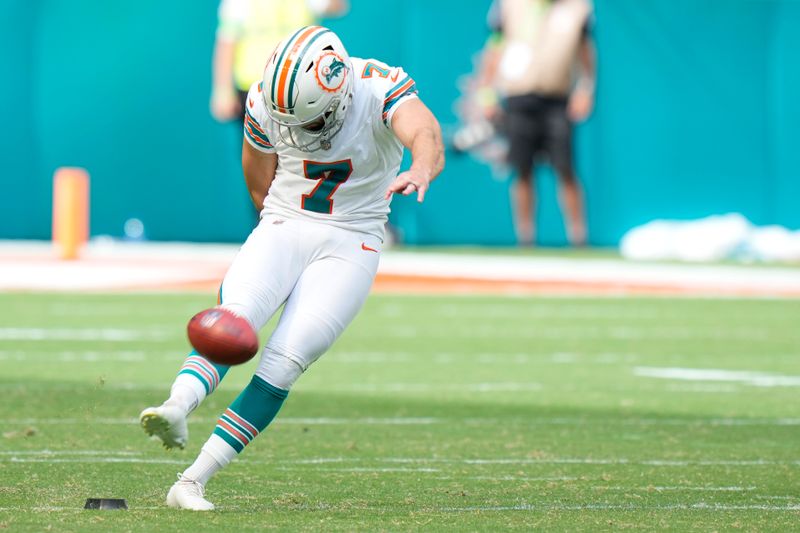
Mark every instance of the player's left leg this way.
pixel 327 297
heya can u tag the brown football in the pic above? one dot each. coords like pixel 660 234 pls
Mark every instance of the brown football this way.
pixel 222 337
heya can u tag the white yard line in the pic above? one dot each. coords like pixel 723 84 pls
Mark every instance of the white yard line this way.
pixel 700 506
pixel 84 334
pixel 471 421
pixel 582 331
pixel 706 388
pixel 676 488
pixel 509 478
pixel 368 470
pixel 72 356
pixel 304 421
pixel 746 377
pixel 95 460
pixel 589 311
pixel 539 507
pixel 110 457
pixel 547 461
pixel 440 387
pixel 54 453
pixel 61 509
pixel 400 421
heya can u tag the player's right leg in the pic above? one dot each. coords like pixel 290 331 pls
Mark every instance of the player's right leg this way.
pixel 197 378
pixel 256 284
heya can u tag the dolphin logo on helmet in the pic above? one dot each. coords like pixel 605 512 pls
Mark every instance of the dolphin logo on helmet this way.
pixel 329 69
pixel 334 70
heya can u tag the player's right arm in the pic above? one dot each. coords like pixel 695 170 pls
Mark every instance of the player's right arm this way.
pixel 259 171
pixel 259 159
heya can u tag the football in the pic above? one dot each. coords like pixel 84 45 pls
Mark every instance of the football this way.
pixel 222 337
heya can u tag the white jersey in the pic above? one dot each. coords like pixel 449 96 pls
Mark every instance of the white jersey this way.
pixel 346 185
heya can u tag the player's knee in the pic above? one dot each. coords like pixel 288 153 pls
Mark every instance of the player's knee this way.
pixel 237 309
pixel 251 310
pixel 279 368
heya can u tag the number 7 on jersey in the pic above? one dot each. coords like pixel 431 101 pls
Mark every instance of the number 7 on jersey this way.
pixel 329 177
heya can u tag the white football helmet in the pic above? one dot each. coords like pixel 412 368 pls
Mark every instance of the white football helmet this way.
pixel 307 87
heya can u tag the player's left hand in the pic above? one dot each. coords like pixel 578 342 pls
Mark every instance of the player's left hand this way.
pixel 408 182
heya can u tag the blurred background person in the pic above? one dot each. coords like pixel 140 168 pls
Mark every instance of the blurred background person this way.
pixel 247 30
pixel 542 61
pixel 477 107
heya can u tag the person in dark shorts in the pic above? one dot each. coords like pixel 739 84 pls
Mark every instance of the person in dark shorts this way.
pixel 542 43
pixel 538 126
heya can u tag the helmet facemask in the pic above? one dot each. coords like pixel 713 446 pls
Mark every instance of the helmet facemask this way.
pixel 307 136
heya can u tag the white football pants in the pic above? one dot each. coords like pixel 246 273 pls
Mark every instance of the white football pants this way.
pixel 321 272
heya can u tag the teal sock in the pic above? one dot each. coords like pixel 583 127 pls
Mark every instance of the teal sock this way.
pixel 250 413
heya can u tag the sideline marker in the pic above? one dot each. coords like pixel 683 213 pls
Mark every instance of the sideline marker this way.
pixel 70 211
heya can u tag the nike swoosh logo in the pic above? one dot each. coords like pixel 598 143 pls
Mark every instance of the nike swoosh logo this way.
pixel 394 78
pixel 252 103
pixel 367 248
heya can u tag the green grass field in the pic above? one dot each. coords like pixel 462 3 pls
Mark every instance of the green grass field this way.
pixel 430 413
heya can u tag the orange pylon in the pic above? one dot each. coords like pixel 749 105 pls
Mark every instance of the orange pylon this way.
pixel 70 211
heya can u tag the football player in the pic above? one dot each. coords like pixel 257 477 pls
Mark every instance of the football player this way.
pixel 324 139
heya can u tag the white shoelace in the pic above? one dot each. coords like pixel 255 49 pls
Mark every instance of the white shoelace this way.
pixel 194 487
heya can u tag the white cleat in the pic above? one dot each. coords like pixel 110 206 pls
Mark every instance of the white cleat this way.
pixel 167 423
pixel 188 494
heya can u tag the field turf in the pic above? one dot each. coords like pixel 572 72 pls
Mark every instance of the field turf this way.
pixel 430 413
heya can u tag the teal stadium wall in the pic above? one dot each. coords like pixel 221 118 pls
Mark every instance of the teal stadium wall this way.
pixel 697 114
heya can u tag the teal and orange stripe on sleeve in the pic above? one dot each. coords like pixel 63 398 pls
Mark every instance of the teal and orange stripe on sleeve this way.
pixel 255 137
pixel 249 116
pixel 405 87
pixel 255 132
pixel 398 89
